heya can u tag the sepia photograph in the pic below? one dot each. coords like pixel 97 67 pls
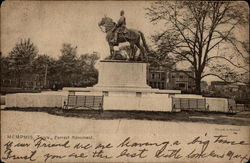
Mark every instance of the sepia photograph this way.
pixel 125 81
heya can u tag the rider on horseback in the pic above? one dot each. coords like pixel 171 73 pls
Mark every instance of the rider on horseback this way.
pixel 120 26
pixel 132 36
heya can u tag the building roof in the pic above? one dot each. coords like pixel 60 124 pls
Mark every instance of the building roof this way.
pixel 219 83
pixel 227 83
pixel 182 71
pixel 156 71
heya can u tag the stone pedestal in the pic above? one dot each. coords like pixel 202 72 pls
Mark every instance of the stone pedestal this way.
pixel 122 74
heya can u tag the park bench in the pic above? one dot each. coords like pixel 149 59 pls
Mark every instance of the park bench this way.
pixel 84 102
pixel 191 104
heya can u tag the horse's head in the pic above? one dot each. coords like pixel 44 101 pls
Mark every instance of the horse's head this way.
pixel 106 22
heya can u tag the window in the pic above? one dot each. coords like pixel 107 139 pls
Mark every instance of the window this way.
pixel 173 76
pixel 157 76
pixel 163 76
pixel 182 85
pixel 138 94
pixel 181 76
pixel 152 76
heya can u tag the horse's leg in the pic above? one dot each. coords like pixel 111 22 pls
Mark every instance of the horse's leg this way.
pixel 111 51
pixel 142 51
pixel 132 46
pixel 127 56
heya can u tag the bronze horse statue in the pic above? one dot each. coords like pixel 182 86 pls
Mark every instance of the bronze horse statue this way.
pixel 132 36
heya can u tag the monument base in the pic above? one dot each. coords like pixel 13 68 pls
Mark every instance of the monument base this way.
pixel 124 87
pixel 131 99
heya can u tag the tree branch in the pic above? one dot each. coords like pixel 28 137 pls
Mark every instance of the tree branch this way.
pixel 222 37
pixel 221 57
pixel 229 82
pixel 170 68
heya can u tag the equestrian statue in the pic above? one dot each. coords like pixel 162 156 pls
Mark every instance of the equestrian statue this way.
pixel 118 33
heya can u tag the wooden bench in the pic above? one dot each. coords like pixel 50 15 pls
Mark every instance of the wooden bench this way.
pixel 84 102
pixel 189 104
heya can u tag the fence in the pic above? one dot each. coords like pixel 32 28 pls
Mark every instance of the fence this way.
pixel 210 104
pixel 242 107
pixel 234 107
pixel 189 104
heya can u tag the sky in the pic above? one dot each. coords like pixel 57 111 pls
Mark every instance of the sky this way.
pixel 50 24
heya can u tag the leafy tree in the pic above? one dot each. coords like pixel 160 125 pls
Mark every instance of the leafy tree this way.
pixel 193 32
pixel 68 70
pixel 89 59
pixel 67 65
pixel 22 56
pixel 42 66
pixel 5 66
pixel 89 74
pixel 71 70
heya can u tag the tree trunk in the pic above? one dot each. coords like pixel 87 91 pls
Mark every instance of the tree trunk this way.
pixel 198 83
pixel 19 79
pixel 45 76
pixel 198 86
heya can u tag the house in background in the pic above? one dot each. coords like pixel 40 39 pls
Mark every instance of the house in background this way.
pixel 204 87
pixel 181 80
pixel 231 90
pixel 162 78
pixel 157 77
pixel 223 89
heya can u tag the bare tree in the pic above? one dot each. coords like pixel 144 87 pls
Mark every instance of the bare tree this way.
pixel 193 31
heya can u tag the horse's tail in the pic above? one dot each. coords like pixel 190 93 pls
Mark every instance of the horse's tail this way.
pixel 144 41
